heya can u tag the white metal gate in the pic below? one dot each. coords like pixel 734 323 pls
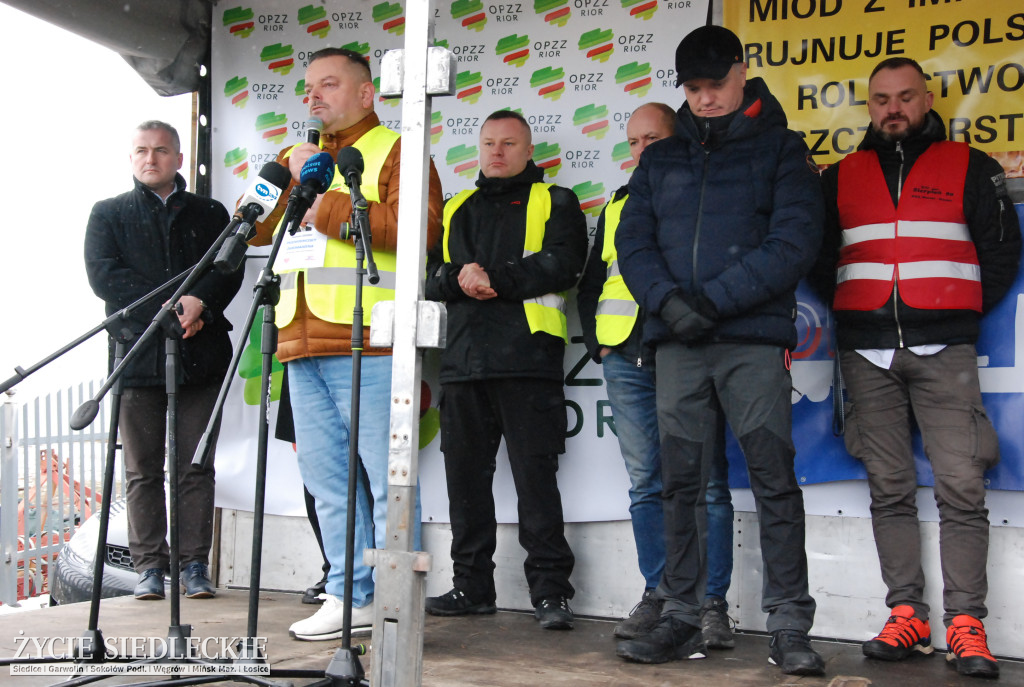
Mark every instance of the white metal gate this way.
pixel 50 477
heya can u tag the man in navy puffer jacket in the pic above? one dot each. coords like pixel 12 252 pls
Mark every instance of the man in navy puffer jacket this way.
pixel 723 219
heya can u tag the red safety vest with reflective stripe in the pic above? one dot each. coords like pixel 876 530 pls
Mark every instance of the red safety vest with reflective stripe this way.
pixel 922 247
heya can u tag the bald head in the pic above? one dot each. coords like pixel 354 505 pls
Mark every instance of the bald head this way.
pixel 649 123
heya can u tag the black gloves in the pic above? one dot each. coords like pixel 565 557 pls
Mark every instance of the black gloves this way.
pixel 685 322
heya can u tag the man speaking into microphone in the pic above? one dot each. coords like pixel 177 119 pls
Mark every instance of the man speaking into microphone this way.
pixel 314 317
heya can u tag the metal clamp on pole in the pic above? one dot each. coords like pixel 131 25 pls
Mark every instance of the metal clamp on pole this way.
pixel 442 68
pixel 431 324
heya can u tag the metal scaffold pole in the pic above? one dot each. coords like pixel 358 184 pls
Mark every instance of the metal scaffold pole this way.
pixel 409 324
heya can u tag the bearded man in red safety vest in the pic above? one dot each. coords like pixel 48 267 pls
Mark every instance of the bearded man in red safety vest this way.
pixel 921 240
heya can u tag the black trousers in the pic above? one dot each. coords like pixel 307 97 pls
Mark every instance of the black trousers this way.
pixel 142 424
pixel 754 388
pixel 530 415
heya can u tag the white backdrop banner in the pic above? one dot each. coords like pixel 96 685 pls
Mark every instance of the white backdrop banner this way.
pixel 575 69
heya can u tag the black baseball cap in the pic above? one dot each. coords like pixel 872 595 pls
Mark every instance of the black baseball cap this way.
pixel 707 53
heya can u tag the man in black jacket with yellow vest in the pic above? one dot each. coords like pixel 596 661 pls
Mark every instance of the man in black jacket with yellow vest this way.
pixel 921 240
pixel 509 248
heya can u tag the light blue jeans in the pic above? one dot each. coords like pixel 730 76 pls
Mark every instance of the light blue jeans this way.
pixel 632 397
pixel 321 398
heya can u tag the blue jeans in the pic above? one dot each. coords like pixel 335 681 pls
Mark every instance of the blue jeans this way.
pixel 632 397
pixel 631 394
pixel 321 398
pixel 720 518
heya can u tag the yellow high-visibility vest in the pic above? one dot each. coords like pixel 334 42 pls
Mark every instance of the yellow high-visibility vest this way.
pixel 330 290
pixel 616 309
pixel 545 313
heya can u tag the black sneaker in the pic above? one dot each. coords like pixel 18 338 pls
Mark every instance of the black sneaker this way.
pixel 554 613
pixel 312 594
pixel 456 602
pixel 791 650
pixel 715 624
pixel 670 640
pixel 642 618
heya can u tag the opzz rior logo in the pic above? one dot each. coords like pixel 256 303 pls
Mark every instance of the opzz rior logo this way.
pixel 278 58
pixel 549 82
pixel 389 16
pixel 643 9
pixel 314 18
pixel 464 160
pixel 593 120
pixel 598 44
pixel 470 14
pixel 237 88
pixel 240 21
pixel 514 49
pixel 555 12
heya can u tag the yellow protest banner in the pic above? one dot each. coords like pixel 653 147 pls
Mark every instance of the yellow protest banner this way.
pixel 816 56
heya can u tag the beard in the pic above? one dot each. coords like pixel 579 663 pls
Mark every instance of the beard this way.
pixel 897 136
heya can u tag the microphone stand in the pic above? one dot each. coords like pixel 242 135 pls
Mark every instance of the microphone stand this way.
pixel 344 669
pixel 345 666
pixel 360 231
pixel 177 646
pixel 20 373
pixel 92 638
pixel 267 292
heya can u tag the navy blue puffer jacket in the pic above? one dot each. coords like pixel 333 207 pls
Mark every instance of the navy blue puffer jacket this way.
pixel 730 221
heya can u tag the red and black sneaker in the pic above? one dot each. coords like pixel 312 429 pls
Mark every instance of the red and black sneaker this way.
pixel 902 635
pixel 967 648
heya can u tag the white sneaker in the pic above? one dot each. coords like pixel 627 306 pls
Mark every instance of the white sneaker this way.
pixel 326 622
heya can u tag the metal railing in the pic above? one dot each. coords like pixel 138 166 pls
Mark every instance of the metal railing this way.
pixel 50 477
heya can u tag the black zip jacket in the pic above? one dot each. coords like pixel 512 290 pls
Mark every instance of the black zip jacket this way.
pixel 133 244
pixel 491 339
pixel 993 225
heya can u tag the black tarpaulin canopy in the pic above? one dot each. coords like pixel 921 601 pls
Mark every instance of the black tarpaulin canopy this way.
pixel 165 41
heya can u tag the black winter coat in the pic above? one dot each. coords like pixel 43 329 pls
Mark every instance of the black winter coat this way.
pixel 491 339
pixel 991 220
pixel 134 244
pixel 730 222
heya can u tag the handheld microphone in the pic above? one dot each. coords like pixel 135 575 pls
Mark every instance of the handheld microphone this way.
pixel 264 193
pixel 350 164
pixel 260 198
pixel 314 179
pixel 318 172
pixel 314 125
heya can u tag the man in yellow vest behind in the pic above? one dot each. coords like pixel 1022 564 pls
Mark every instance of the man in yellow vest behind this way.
pixel 510 248
pixel 921 240
pixel 612 325
pixel 315 321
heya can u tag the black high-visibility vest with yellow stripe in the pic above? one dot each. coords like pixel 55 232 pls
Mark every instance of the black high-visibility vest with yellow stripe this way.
pixel 330 290
pixel 545 313
pixel 616 309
